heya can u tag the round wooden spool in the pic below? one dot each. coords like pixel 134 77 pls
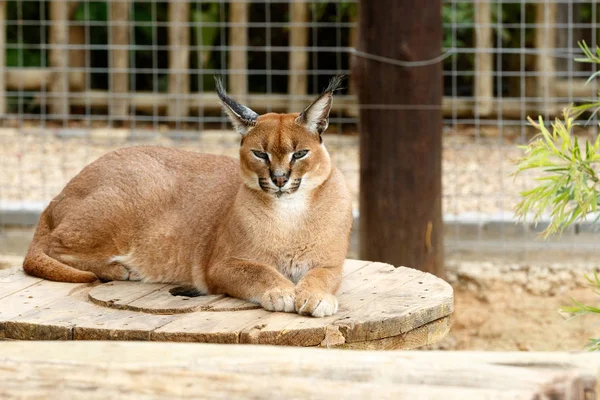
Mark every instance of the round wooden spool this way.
pixel 381 307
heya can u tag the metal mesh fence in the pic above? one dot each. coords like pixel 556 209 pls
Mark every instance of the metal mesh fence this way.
pixel 81 78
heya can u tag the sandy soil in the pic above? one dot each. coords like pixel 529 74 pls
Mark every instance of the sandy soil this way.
pixel 501 320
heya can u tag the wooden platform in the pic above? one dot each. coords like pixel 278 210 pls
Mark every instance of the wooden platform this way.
pixel 381 307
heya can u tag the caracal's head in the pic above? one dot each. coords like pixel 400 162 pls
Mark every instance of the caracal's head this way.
pixel 282 154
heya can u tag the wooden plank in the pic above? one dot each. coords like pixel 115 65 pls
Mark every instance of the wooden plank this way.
pixel 424 335
pixel 238 54
pixel 91 370
pixel 161 301
pixel 574 88
pixel 36 296
pixel 14 280
pixel 262 327
pixel 72 319
pixel 298 57
pixel 119 294
pixel 545 43
pixel 179 59
pixel 119 59
pixel 484 57
pixel 58 57
pixel 32 299
pixel 231 304
pixel 351 266
pixel 357 289
pixel 396 308
pixel 155 298
pixel 2 58
pixel 208 327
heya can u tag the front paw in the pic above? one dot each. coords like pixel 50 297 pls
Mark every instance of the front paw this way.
pixel 315 303
pixel 279 299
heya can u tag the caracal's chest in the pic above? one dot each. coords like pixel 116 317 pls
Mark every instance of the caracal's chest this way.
pixel 286 238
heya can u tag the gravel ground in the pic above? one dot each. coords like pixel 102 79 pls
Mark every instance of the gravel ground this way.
pixel 35 164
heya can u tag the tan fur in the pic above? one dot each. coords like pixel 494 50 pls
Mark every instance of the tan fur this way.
pixel 165 215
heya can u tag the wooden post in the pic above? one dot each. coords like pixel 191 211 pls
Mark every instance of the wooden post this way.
pixel 238 58
pixel 2 58
pixel 77 59
pixel 119 59
pixel 298 79
pixel 59 57
pixel 545 39
pixel 179 58
pixel 400 140
pixel 484 82
pixel 563 12
pixel 353 44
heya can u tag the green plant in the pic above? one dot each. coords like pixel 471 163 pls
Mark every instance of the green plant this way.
pixel 578 308
pixel 569 188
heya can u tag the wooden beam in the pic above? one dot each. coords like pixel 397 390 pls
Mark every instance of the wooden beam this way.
pixel 400 140
pixel 129 370
pixel 298 78
pixel 2 58
pixel 119 59
pixel 58 56
pixel 148 102
pixel 484 83
pixel 545 43
pixel 179 58
pixel 238 55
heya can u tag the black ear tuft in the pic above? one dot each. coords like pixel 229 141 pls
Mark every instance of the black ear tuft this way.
pixel 335 84
pixel 316 116
pixel 242 117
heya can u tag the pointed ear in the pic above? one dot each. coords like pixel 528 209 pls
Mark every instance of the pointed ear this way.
pixel 316 116
pixel 242 118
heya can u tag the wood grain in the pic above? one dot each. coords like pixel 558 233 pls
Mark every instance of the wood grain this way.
pixel 134 370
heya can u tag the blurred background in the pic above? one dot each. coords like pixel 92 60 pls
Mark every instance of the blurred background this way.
pixel 80 78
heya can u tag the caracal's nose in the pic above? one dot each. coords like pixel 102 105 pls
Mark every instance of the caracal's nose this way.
pixel 279 178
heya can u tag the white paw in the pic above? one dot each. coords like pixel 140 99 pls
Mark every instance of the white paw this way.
pixel 279 299
pixel 318 304
pixel 328 306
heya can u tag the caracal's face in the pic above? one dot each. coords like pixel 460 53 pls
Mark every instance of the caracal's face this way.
pixel 280 156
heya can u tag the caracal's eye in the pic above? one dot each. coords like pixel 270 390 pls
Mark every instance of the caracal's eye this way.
pixel 261 155
pixel 300 154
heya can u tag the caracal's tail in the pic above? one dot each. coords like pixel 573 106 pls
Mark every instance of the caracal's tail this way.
pixel 40 264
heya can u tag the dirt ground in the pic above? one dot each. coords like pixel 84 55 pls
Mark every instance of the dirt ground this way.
pixel 499 319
